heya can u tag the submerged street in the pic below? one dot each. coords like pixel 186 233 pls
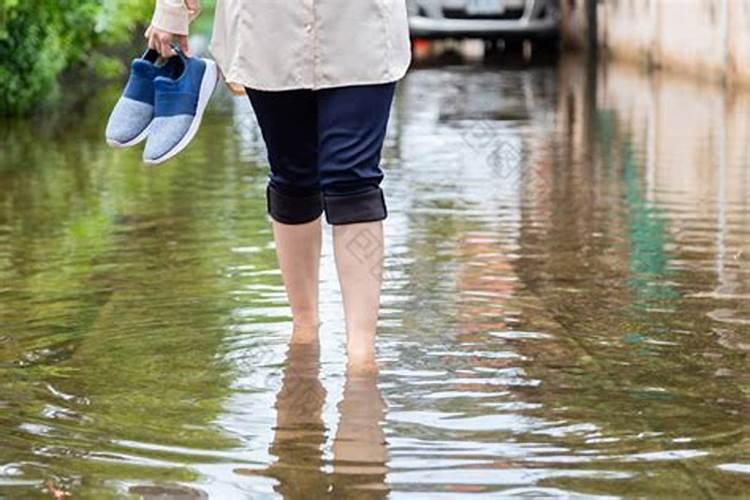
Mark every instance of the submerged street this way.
pixel 566 305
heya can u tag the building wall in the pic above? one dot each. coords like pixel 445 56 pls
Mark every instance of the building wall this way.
pixel 685 34
pixel 574 24
pixel 707 38
pixel 739 27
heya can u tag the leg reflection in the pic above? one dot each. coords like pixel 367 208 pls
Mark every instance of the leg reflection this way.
pixel 300 433
pixel 359 452
pixel 359 449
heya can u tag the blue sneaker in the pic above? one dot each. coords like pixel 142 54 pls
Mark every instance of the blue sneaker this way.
pixel 132 115
pixel 180 101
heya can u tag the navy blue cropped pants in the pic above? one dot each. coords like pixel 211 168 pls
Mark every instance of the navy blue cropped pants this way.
pixel 324 147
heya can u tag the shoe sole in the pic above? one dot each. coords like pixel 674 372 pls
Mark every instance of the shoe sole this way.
pixel 132 142
pixel 208 85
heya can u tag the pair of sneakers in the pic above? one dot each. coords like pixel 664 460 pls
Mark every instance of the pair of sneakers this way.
pixel 163 103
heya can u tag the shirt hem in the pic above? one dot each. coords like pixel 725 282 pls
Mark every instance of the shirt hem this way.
pixel 249 83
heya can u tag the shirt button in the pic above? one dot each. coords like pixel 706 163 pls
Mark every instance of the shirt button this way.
pixel 308 27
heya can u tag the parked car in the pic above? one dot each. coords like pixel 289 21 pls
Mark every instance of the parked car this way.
pixel 509 20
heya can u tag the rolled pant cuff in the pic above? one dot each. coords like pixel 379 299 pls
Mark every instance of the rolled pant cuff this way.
pixel 351 208
pixel 293 209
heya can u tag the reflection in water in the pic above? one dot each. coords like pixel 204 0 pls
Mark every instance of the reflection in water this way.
pixel 359 447
pixel 300 432
pixel 148 492
pixel 565 309
pixel 359 453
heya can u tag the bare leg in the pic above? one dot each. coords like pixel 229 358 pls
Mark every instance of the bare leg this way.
pixel 298 253
pixel 358 250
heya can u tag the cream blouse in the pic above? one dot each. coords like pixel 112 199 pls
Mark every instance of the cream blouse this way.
pixel 292 44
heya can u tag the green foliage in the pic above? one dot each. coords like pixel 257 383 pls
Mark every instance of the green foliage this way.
pixel 204 23
pixel 39 39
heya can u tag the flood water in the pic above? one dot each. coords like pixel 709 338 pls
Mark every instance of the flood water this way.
pixel 566 305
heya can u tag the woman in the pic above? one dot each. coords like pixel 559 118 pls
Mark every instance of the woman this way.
pixel 320 75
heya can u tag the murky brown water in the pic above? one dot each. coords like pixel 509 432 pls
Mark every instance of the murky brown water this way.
pixel 566 308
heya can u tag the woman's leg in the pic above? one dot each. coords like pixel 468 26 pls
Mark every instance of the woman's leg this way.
pixel 352 123
pixel 298 253
pixel 288 122
pixel 358 249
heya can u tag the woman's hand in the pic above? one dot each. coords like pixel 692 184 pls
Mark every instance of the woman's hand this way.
pixel 161 41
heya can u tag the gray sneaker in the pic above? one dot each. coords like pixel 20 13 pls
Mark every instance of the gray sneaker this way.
pixel 180 100
pixel 131 117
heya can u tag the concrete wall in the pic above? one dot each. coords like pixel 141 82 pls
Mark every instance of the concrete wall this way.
pixel 706 38
pixel 574 24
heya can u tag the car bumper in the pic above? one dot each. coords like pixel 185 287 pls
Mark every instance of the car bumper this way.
pixel 429 27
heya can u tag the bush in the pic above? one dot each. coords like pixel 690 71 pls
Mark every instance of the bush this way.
pixel 39 39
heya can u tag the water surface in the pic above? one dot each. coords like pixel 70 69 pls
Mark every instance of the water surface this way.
pixel 566 309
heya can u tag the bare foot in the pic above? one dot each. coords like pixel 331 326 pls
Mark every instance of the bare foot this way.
pixel 361 363
pixel 303 334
